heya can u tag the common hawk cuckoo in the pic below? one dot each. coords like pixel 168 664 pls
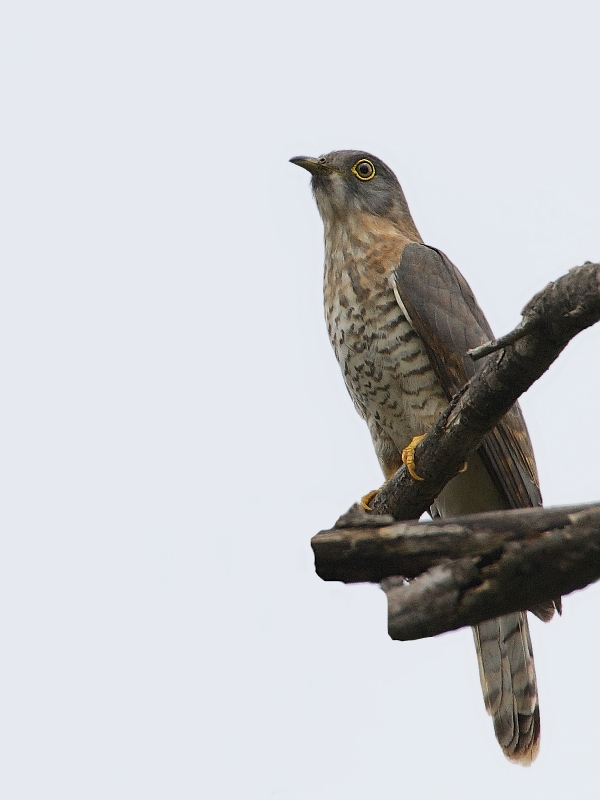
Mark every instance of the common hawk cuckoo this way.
pixel 401 318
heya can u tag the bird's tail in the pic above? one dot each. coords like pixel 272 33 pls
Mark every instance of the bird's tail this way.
pixel 507 675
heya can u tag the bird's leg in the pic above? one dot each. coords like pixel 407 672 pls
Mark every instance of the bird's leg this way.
pixel 390 463
pixel 408 457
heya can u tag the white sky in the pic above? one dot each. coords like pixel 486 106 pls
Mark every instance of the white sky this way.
pixel 174 425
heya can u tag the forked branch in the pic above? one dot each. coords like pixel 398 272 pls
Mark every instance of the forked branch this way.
pixel 550 320
pixel 466 569
pixel 470 569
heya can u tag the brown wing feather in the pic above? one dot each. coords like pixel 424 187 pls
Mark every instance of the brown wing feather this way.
pixel 446 316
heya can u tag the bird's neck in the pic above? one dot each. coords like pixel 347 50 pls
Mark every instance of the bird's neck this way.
pixel 366 244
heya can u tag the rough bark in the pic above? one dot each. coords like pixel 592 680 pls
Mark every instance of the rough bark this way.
pixel 550 320
pixel 518 576
pixel 371 549
pixel 467 569
pixel 470 569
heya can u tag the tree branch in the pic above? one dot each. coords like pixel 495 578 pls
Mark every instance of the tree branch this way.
pixel 467 569
pixel 380 548
pixel 520 576
pixel 470 569
pixel 550 320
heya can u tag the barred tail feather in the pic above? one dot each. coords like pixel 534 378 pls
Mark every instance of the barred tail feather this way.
pixel 507 676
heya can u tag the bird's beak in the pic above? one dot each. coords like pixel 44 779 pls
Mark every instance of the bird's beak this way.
pixel 313 165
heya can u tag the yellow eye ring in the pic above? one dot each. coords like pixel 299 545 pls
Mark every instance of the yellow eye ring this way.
pixel 359 167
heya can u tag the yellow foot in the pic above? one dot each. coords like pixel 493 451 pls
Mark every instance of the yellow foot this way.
pixel 364 501
pixel 408 457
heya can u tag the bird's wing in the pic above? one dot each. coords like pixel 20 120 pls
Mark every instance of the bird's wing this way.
pixel 445 314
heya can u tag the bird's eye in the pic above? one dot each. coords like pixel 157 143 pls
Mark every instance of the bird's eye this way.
pixel 322 160
pixel 364 169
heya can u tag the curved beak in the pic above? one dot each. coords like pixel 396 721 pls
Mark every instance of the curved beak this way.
pixel 313 165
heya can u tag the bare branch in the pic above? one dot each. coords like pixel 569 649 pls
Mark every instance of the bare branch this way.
pixel 469 569
pixel 522 328
pixel 519 574
pixel 369 548
pixel 557 314
pixel 466 569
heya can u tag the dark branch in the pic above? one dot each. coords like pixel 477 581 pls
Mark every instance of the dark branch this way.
pixel 550 320
pixel 469 568
pixel 522 328
pixel 379 548
pixel 520 573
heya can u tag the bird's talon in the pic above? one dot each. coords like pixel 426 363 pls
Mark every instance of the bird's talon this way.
pixel 465 467
pixel 408 457
pixel 364 501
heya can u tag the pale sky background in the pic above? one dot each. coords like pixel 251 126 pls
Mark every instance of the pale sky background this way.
pixel 175 427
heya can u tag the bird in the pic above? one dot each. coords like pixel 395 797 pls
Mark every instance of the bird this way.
pixel 401 318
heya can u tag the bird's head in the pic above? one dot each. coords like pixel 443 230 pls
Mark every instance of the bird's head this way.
pixel 349 181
